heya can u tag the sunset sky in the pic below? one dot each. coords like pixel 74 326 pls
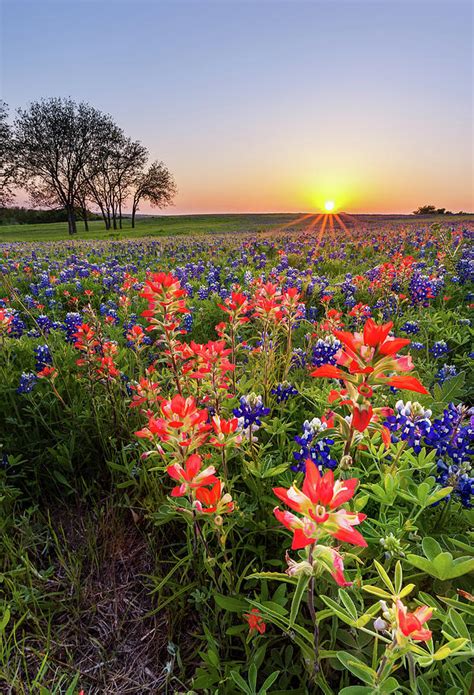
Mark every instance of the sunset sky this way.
pixel 267 105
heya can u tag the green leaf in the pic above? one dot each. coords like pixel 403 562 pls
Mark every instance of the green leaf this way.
pixel 240 683
pixel 442 565
pixel 234 605
pixel 5 619
pixel 390 685
pixel 398 577
pixel 449 648
pixel 376 591
pixel 345 617
pixel 384 577
pixel 421 563
pixel 303 580
pixel 253 677
pixel 464 606
pixel 458 623
pixel 278 576
pixel 461 566
pixel 357 667
pixel 431 547
pixel 348 603
pixel 268 682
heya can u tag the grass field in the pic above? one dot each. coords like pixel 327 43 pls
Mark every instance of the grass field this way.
pixel 173 225
pixel 164 225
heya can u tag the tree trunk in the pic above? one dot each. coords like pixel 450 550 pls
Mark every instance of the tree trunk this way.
pixel 84 217
pixel 134 211
pixel 71 221
pixel 120 214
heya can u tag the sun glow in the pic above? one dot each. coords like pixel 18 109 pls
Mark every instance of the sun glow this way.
pixel 329 205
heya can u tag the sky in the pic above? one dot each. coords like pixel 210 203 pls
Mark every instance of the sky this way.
pixel 267 105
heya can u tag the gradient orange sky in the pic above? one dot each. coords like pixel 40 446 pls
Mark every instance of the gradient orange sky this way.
pixel 268 105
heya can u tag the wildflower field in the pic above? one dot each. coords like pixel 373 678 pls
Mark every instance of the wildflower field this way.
pixel 238 463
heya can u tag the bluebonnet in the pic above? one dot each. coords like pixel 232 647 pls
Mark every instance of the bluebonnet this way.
pixel 250 410
pixel 126 382
pixel 422 288
pixel 460 479
pixel 324 351
pixel 45 323
pixel 298 358
pixel 318 450
pixel 17 326
pixel 411 422
pixel 447 371
pixel 439 348
pixel 43 357
pixel 27 382
pixel 452 434
pixel 410 327
pixel 284 391
pixel 416 346
pixel 72 322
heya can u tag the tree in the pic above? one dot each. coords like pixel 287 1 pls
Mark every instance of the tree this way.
pixel 156 185
pixel 425 210
pixel 7 159
pixel 128 166
pixel 56 140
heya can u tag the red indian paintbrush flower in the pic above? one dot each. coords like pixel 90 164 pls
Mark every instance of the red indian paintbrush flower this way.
pixel 317 501
pixel 6 319
pixel 225 432
pixel 212 501
pixel 411 624
pixel 166 302
pixel 366 361
pixel 190 477
pixel 181 424
pixel 255 621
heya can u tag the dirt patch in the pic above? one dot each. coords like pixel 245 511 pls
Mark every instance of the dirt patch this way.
pixel 109 632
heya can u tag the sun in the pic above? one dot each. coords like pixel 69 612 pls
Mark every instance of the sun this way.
pixel 329 205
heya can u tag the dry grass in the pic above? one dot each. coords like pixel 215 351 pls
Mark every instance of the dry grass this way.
pixel 106 626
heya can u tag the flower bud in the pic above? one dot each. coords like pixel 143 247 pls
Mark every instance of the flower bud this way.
pixel 380 625
pixel 346 462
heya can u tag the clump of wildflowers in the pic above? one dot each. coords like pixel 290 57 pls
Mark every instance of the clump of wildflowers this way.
pixel 27 382
pixel 410 422
pixel 249 413
pixel 284 391
pixel 315 448
pixel 439 348
pixel 447 371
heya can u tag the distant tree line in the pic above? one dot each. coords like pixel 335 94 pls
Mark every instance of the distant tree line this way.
pixel 14 214
pixel 433 210
pixel 72 156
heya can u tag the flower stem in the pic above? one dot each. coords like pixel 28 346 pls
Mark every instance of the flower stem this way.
pixel 312 612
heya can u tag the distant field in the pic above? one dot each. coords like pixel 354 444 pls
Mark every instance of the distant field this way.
pixel 197 224
pixel 149 226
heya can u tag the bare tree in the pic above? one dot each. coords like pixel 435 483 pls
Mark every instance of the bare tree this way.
pixel 55 141
pixel 7 157
pixel 157 186
pixel 128 166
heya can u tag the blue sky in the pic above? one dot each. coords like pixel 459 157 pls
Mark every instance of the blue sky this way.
pixel 267 105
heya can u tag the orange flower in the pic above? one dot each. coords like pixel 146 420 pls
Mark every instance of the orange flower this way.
pixel 255 621
pixel 214 500
pixel 411 624
pixel 317 501
pixel 191 476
